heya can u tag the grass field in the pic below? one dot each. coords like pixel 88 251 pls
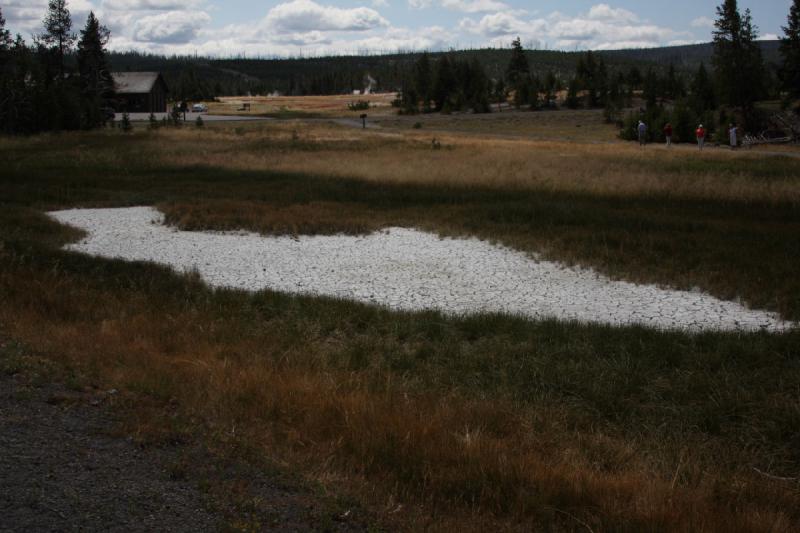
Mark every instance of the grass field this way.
pixel 285 106
pixel 462 423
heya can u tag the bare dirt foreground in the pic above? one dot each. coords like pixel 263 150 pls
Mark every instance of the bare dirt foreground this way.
pixel 62 468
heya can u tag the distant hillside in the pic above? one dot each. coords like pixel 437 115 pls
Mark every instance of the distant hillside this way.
pixel 687 56
pixel 342 74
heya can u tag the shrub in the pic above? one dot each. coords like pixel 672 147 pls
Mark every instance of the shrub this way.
pixel 360 105
pixel 125 124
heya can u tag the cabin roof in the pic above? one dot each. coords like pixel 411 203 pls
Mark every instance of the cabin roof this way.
pixel 135 82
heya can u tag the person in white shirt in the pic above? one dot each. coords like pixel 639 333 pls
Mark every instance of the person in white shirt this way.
pixel 733 134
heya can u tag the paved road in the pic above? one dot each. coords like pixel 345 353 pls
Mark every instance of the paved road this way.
pixel 191 117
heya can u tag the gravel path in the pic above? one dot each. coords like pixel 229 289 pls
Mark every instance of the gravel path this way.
pixel 58 472
pixel 406 269
pixel 63 469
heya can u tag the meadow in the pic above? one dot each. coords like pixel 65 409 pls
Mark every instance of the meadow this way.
pixel 433 421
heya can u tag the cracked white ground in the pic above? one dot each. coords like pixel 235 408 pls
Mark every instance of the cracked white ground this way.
pixel 406 269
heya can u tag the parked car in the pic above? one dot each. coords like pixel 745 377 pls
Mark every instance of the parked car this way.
pixel 199 108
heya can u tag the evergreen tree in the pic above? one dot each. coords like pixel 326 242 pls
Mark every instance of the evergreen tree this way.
pixel 703 96
pixel 790 50
pixel 409 99
pixel 549 87
pixel 673 84
pixel 572 94
pixel 476 87
pixel 97 85
pixel 518 68
pixel 444 85
pixel 651 88
pixel 634 78
pixel 518 73
pixel 600 84
pixel 424 81
pixel 738 65
pixel 58 31
pixel 499 93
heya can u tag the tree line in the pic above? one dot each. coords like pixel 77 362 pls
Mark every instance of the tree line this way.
pixel 728 92
pixel 60 81
pixel 722 92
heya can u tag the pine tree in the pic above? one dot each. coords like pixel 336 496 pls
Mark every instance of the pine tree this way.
pixel 476 87
pixel 518 73
pixel 5 36
pixel 634 78
pixel 790 50
pixel 499 93
pixel 444 85
pixel 424 81
pixel 703 97
pixel 572 94
pixel 738 65
pixel 600 84
pixel 651 88
pixel 518 67
pixel 97 85
pixel 550 83
pixel 58 31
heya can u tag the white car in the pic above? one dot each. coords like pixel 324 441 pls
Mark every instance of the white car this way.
pixel 199 108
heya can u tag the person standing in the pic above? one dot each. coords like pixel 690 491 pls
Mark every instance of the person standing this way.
pixel 733 136
pixel 668 134
pixel 700 133
pixel 642 131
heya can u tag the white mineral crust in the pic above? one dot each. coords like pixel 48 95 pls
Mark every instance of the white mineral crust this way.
pixel 406 269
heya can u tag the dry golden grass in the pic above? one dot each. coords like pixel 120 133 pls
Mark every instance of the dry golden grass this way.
pixel 619 169
pixel 333 105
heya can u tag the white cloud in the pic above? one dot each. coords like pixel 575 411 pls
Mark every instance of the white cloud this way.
pixel 702 22
pixel 502 24
pixel 474 6
pixel 465 6
pixel 306 16
pixel 172 27
pixel 25 16
pixel 602 27
pixel 150 5
pixel 313 27
pixel 607 13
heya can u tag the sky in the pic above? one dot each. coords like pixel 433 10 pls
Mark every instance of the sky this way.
pixel 254 28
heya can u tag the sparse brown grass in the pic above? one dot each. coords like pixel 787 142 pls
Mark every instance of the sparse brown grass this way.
pixel 290 390
pixel 563 125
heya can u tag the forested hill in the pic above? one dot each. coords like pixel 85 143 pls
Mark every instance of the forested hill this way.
pixel 687 56
pixel 342 74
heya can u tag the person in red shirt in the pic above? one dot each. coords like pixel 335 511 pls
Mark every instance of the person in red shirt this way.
pixel 668 134
pixel 700 133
